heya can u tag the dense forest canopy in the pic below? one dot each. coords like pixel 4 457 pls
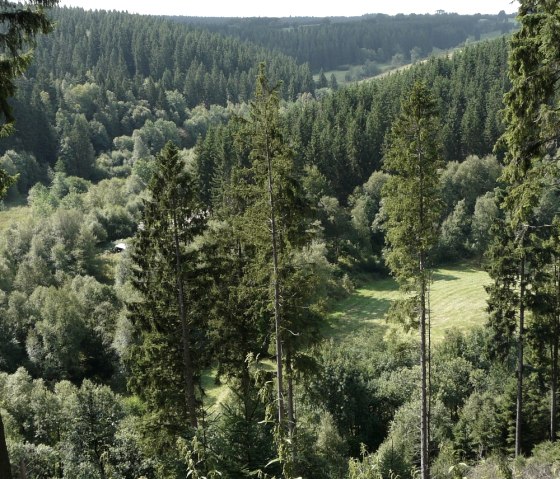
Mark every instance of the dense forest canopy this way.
pixel 247 201
pixel 329 43
pixel 124 50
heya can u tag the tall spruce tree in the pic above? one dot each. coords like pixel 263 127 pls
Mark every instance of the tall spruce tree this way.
pixel 544 336
pixel 168 318
pixel 507 301
pixel 21 23
pixel 530 140
pixel 532 113
pixel 412 202
pixel 274 223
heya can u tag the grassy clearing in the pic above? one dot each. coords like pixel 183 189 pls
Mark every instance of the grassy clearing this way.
pixel 214 393
pixel 13 214
pixel 458 300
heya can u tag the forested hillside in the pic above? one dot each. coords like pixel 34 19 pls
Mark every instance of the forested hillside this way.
pixel 121 51
pixel 197 262
pixel 102 75
pixel 328 43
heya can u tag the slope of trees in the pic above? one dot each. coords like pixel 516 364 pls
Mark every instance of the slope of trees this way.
pixel 342 134
pixel 121 51
pixel 102 75
pixel 328 43
pixel 94 346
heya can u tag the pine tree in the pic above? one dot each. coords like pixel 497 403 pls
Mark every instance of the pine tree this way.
pixel 544 336
pixel 532 116
pixel 412 202
pixel 507 259
pixel 22 22
pixel 168 318
pixel 269 156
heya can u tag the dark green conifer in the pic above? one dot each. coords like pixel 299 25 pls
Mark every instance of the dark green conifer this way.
pixel 21 22
pixel 412 202
pixel 168 316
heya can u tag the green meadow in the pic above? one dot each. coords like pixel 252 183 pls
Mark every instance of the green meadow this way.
pixel 457 300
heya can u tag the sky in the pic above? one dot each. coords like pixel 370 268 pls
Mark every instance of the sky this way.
pixel 296 8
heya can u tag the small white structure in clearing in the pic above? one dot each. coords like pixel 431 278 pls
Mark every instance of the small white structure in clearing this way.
pixel 119 248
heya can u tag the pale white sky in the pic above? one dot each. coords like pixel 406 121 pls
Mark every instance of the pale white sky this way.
pixel 296 8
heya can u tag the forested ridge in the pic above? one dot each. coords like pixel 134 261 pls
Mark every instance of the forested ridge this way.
pixel 328 43
pixel 123 51
pixel 117 70
pixel 181 225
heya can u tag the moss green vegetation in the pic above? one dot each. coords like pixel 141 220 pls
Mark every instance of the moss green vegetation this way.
pixel 458 300
pixel 13 214
pixel 215 392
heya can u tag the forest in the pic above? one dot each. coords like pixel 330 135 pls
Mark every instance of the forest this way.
pixel 328 43
pixel 218 262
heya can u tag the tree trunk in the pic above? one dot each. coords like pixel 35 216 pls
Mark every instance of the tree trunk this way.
pixel 554 375
pixel 5 469
pixel 521 332
pixel 276 284
pixel 100 467
pixel 429 359
pixel 424 456
pixel 424 410
pixel 291 410
pixel 553 381
pixel 190 396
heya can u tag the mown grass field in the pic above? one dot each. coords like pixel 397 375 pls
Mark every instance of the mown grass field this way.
pixel 457 300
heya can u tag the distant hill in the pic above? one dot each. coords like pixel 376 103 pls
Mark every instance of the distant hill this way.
pixel 119 51
pixel 329 43
pixel 120 71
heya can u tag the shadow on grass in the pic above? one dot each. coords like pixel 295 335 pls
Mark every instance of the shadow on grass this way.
pixel 386 284
pixel 443 277
pixel 468 266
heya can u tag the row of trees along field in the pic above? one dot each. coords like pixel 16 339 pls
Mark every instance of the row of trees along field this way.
pixel 199 350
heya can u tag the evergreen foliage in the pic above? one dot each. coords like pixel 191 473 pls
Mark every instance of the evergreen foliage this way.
pixel 168 314
pixel 412 203
pixel 531 112
pixel 244 241
pixel 329 43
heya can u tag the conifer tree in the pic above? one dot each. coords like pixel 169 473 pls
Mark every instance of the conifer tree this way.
pixel 532 116
pixel 274 223
pixel 269 156
pixel 412 202
pixel 544 335
pixel 21 23
pixel 532 122
pixel 168 355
